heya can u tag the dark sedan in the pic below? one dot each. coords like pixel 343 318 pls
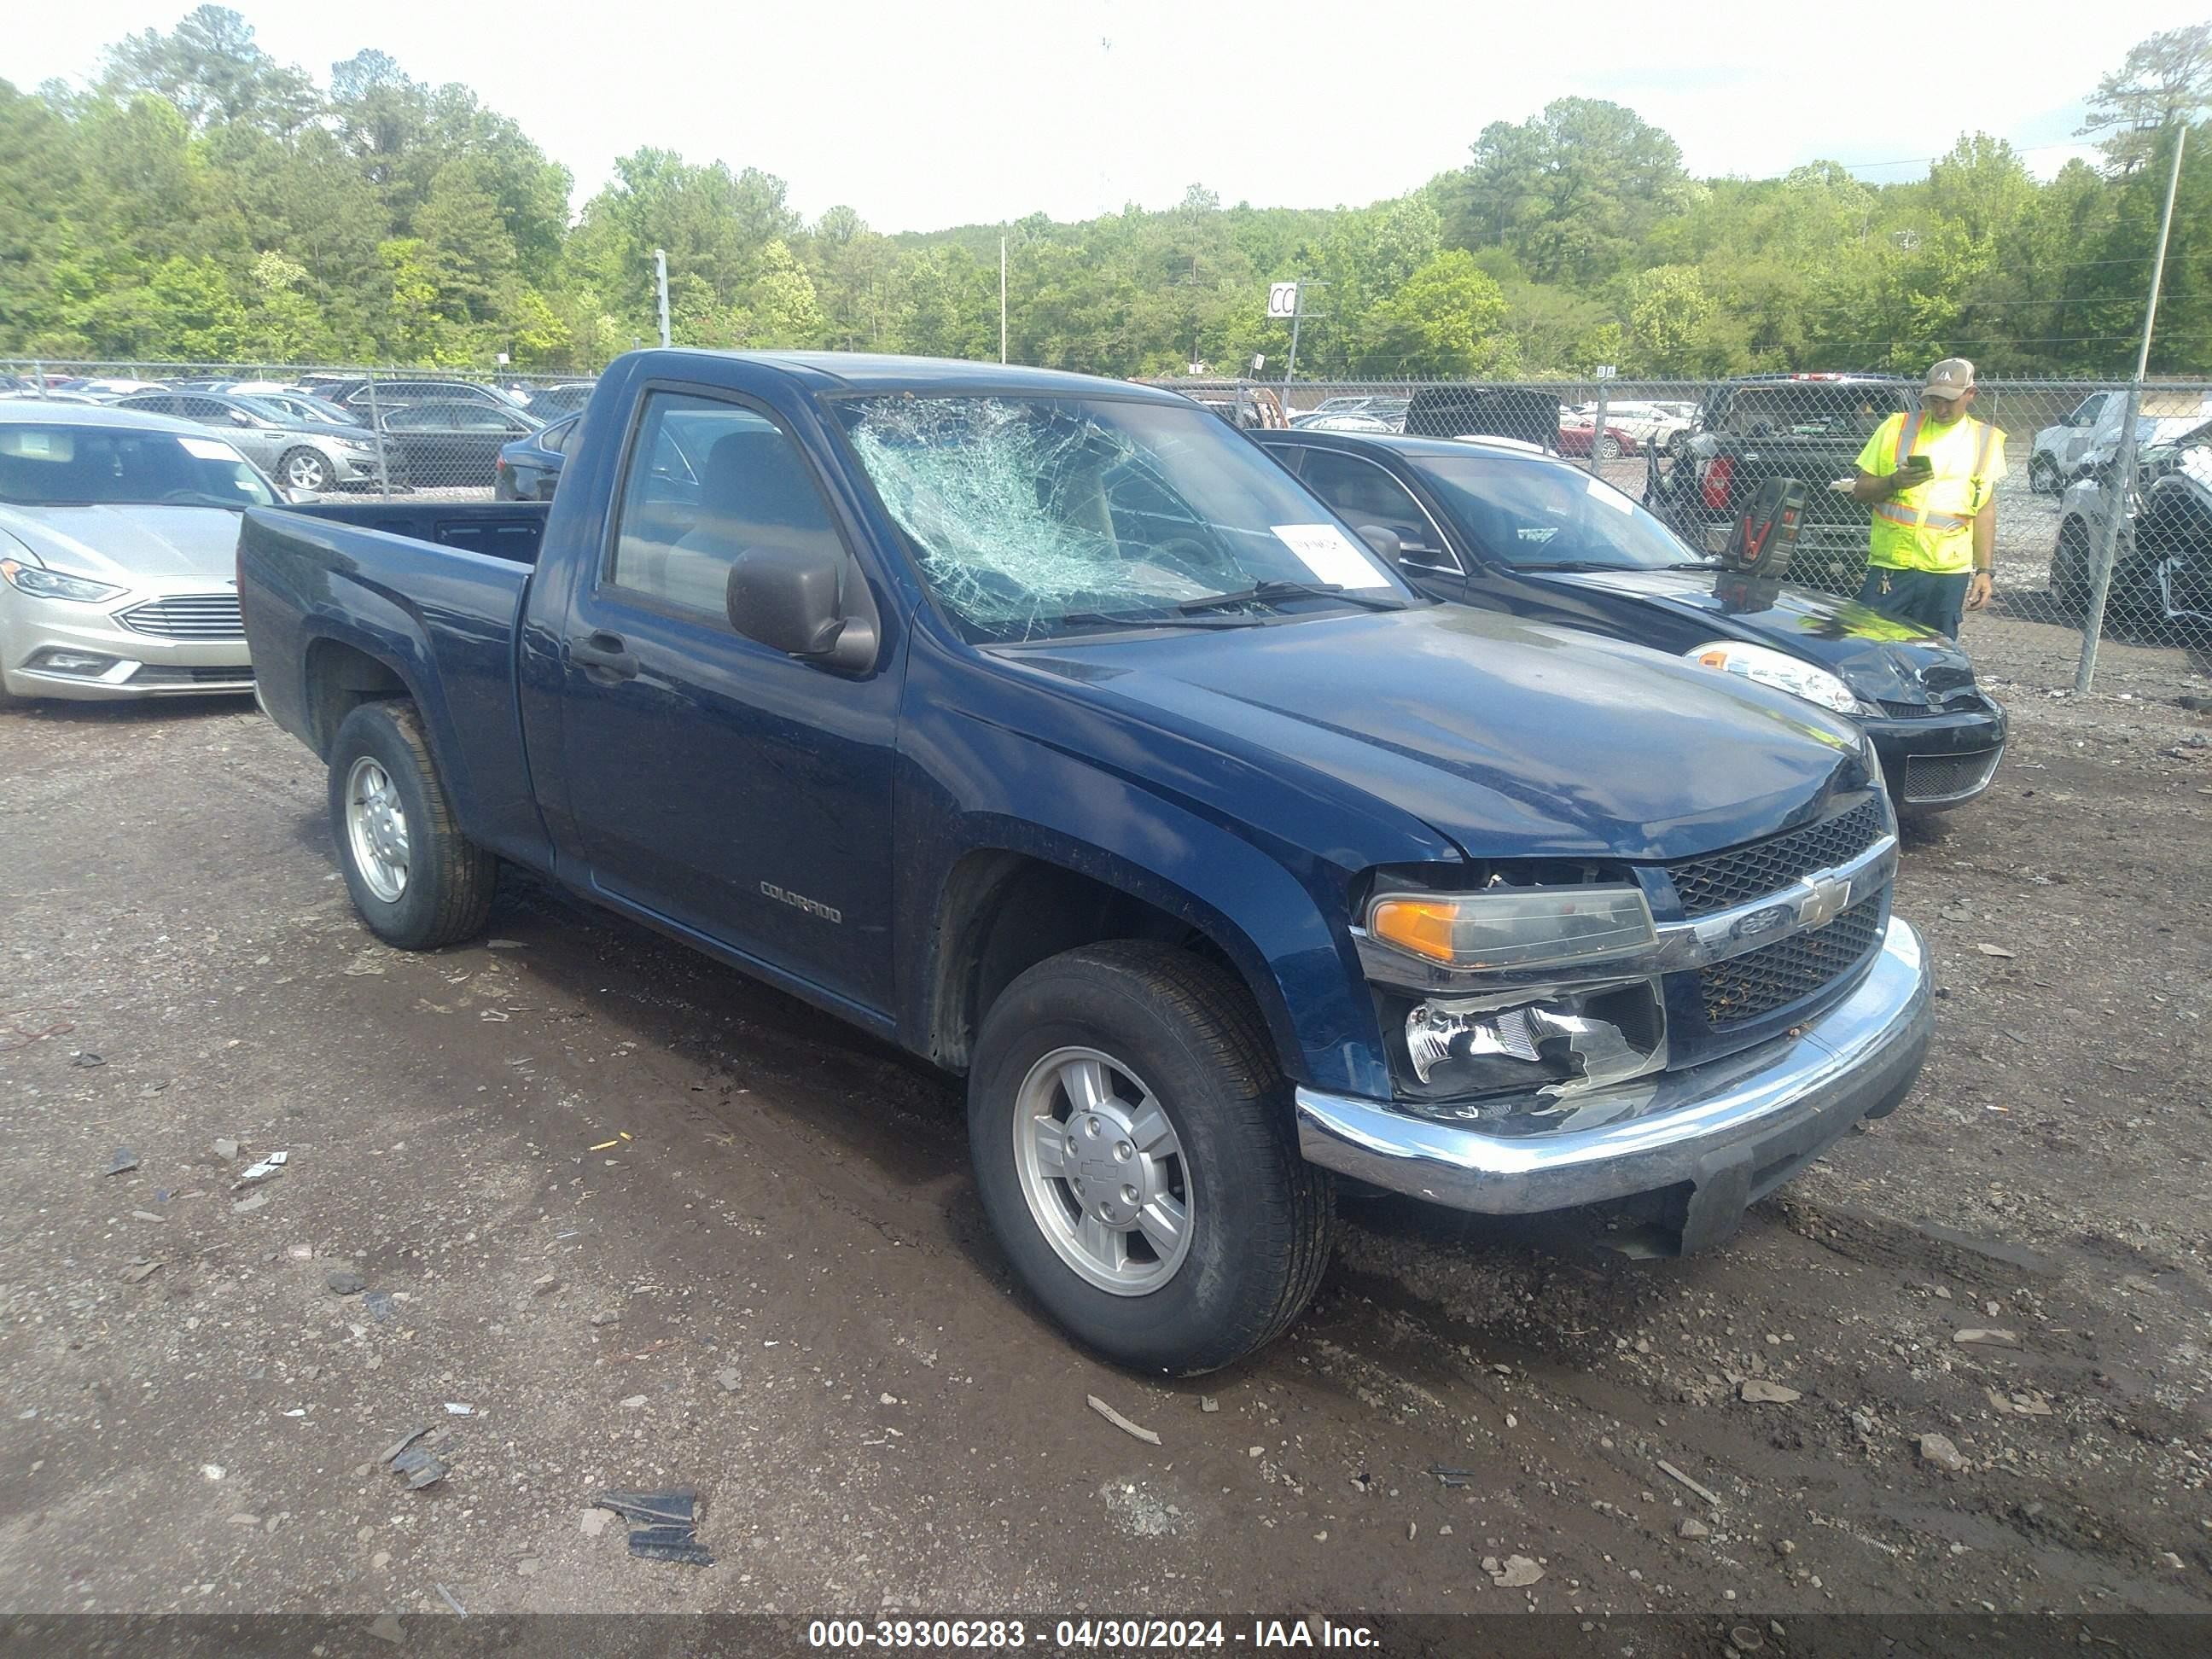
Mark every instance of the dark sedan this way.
pixel 1501 527
pixel 439 445
pixel 529 468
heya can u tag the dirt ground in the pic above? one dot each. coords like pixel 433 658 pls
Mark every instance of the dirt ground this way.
pixel 653 1225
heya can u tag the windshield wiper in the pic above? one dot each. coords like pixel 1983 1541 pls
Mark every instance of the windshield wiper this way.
pixel 1153 619
pixel 1575 566
pixel 1264 592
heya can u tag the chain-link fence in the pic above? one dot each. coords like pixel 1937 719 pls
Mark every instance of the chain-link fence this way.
pixel 331 430
pixel 1696 453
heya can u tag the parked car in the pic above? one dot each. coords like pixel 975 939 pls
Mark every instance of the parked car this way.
pixel 2074 448
pixel 1471 412
pixel 1575 433
pixel 1809 427
pixel 363 397
pixel 300 454
pixel 1138 789
pixel 1507 529
pixel 529 467
pixel 119 538
pixel 1388 413
pixel 551 403
pixel 444 446
pixel 316 411
pixel 2162 550
pixel 1659 426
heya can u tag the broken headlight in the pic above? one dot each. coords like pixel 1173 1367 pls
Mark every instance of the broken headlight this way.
pixel 1561 1043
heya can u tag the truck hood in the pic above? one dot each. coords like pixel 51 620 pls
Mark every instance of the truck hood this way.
pixel 129 545
pixel 1877 656
pixel 1513 738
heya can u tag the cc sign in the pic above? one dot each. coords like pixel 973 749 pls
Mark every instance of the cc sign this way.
pixel 1283 301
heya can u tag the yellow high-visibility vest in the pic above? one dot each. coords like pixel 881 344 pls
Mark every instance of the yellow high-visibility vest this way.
pixel 1930 526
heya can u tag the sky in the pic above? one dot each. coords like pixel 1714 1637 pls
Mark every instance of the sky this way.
pixel 924 116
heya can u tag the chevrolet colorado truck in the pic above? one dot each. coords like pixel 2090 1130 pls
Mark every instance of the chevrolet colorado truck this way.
pixel 1047 728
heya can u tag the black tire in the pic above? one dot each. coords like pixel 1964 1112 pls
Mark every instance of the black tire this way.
pixel 448 885
pixel 1608 448
pixel 2069 572
pixel 1263 1219
pixel 502 486
pixel 2043 476
pixel 305 469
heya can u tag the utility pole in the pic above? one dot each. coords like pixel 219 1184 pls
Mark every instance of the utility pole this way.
pixel 660 281
pixel 2123 478
pixel 1002 298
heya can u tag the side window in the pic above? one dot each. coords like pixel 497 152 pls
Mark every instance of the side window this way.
pixel 1363 493
pixel 706 482
pixel 203 409
pixel 555 439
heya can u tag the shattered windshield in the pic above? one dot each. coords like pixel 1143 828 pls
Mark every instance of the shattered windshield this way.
pixel 1032 517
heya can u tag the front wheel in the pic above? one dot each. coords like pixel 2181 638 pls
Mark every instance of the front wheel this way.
pixel 305 469
pixel 1133 1146
pixel 1609 449
pixel 418 883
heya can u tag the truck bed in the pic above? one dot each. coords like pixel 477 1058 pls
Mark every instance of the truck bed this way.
pixel 345 601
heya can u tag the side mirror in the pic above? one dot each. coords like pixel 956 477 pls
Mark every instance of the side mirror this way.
pixel 302 497
pixel 791 601
pixel 1384 542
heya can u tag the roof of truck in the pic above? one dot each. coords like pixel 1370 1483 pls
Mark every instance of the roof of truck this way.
pixel 863 371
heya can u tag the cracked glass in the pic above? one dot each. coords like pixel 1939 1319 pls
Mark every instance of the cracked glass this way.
pixel 1032 517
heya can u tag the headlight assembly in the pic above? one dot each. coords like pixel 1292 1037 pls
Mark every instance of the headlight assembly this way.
pixel 43 584
pixel 1780 670
pixel 1514 927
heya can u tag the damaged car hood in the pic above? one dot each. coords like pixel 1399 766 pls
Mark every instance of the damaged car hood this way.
pixel 129 545
pixel 1511 738
pixel 1675 610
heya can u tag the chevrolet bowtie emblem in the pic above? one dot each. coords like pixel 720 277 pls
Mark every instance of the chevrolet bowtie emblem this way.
pixel 1824 903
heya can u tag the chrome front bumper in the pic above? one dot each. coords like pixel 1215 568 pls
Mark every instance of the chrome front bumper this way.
pixel 1729 1131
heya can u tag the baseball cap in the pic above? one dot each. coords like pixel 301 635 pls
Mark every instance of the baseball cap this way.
pixel 1951 378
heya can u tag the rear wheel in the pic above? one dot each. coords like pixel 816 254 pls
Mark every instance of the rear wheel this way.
pixel 418 883
pixel 1132 1147
pixel 1608 448
pixel 2069 572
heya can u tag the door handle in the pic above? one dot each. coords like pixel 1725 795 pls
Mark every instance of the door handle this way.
pixel 604 657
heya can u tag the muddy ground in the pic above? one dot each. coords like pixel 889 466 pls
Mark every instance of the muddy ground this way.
pixel 775 1284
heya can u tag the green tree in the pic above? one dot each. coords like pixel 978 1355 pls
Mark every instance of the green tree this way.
pixel 212 70
pixel 2165 81
pixel 1445 319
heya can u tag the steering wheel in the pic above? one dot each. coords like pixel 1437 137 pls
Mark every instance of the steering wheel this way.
pixel 1191 555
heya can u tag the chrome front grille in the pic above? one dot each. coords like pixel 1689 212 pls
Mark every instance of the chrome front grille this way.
pixel 1723 879
pixel 187 616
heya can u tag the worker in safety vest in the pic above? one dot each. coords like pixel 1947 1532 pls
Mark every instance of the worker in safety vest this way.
pixel 1931 479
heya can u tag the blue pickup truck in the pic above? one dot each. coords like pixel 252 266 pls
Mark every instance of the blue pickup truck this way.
pixel 1046 726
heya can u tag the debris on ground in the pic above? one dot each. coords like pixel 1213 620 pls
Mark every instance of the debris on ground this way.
pixel 1987 1339
pixel 1760 1392
pixel 606 1316
pixel 85 1057
pixel 2019 1405
pixel 262 1172
pixel 1206 1402
pixel 593 1521
pixel 343 1281
pixel 459 1409
pixel 421 1467
pixel 1998 951
pixel 247 1206
pixel 1672 1473
pixel 1450 1477
pixel 125 1158
pixel 140 1270
pixel 1122 1422
pixel 1515 1572
pixel 1692 1528
pixel 727 1376
pixel 660 1524
pixel 450 1602
pixel 225 1149
pixel 1936 1449
pixel 386 1628
pixel 403 1442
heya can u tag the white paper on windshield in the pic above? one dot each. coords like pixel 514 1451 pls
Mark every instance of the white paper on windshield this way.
pixel 207 449
pixel 1613 498
pixel 1332 556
